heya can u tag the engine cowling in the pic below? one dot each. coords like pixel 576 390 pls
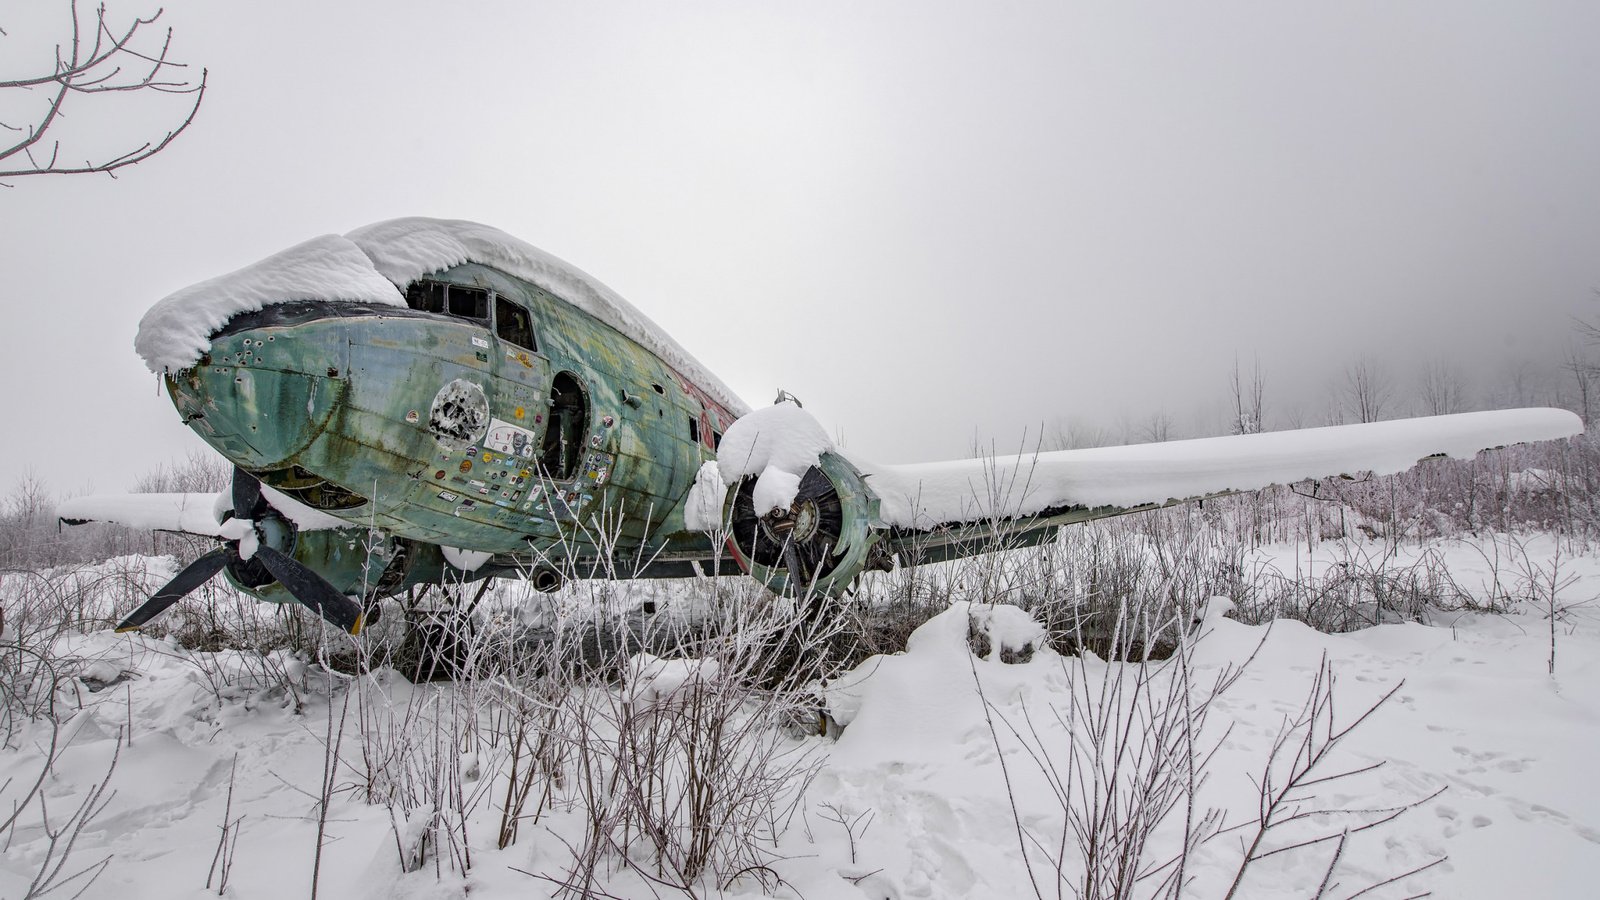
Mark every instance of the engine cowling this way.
pixel 816 546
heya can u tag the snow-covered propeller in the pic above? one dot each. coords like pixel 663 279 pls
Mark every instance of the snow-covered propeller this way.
pixel 258 541
pixel 800 539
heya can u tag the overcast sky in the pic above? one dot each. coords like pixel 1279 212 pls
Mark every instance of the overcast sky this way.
pixel 928 220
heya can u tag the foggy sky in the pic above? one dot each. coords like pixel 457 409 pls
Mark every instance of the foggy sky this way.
pixel 936 223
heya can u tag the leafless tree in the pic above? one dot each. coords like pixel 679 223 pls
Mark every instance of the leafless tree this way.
pixel 1073 433
pixel 1521 381
pixel 1442 389
pixel 1368 390
pixel 198 472
pixel 25 519
pixel 1583 374
pixel 1247 404
pixel 1157 428
pixel 98 59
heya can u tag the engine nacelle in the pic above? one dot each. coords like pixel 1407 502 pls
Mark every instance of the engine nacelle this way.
pixel 820 543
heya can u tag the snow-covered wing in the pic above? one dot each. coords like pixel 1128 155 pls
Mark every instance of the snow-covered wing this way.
pixel 930 494
pixel 191 513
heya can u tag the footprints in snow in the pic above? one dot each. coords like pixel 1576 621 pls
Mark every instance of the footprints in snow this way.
pixel 1482 761
pixel 1453 822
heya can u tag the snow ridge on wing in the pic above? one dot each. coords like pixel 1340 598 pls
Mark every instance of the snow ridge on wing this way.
pixel 926 494
pixel 194 513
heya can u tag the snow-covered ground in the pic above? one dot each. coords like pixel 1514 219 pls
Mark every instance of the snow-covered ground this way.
pixel 949 765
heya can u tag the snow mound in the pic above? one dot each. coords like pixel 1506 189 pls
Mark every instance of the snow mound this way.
pixel 924 699
pixel 778 444
pixel 368 264
pixel 654 682
pixel 1012 631
pixel 702 511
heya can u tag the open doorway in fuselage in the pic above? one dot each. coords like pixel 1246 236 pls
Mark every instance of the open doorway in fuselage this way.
pixel 564 433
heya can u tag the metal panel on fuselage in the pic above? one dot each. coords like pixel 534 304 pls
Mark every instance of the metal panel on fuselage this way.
pixel 638 459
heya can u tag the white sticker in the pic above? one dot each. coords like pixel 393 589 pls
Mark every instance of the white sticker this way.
pixel 512 440
pixel 480 342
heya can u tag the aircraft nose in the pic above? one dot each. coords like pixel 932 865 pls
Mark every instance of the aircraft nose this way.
pixel 262 395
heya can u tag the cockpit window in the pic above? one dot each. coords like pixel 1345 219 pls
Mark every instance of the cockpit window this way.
pixel 512 324
pixel 427 296
pixel 469 303
pixel 455 299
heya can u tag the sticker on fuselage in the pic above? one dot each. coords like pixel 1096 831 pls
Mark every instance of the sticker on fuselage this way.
pixel 514 441
pixel 449 496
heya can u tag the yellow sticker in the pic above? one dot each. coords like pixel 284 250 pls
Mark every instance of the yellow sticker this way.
pixel 519 412
pixel 488 457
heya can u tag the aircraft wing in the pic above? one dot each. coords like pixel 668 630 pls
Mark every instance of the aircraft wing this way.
pixel 199 513
pixel 191 513
pixel 934 504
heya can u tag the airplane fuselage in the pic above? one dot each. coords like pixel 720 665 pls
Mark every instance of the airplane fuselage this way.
pixel 487 415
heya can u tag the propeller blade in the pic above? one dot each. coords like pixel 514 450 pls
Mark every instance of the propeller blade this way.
pixel 246 495
pixel 192 576
pixel 312 590
pixel 799 581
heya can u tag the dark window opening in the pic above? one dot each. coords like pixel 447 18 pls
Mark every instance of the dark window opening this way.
pixel 469 303
pixel 694 429
pixel 563 433
pixel 454 299
pixel 658 388
pixel 513 324
pixel 427 296
pixel 716 440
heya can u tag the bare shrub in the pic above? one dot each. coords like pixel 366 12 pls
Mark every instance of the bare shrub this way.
pixel 40 608
pixel 1124 759
pixel 692 765
pixel 1295 811
pixel 27 816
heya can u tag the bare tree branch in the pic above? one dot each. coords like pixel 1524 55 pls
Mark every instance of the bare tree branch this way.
pixel 109 62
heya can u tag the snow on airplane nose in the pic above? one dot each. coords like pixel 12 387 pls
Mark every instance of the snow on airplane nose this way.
pixel 265 390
